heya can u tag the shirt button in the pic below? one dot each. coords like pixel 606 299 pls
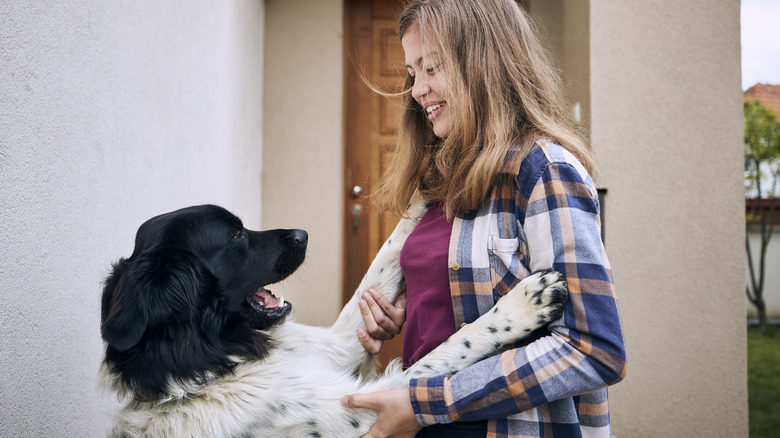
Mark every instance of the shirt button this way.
pixel 455 267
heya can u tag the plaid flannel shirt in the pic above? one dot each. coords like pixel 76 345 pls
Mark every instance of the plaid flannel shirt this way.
pixel 545 216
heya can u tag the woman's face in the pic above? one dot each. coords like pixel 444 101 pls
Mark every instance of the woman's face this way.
pixel 429 76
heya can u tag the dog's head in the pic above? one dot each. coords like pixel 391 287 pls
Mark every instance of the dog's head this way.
pixel 192 298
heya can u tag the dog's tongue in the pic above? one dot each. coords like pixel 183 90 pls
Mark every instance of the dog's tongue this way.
pixel 267 299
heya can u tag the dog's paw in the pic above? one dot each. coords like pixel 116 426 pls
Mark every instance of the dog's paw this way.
pixel 540 297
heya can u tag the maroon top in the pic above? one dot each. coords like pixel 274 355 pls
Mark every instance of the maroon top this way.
pixel 430 319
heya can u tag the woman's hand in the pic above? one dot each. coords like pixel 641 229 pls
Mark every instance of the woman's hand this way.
pixel 395 416
pixel 383 319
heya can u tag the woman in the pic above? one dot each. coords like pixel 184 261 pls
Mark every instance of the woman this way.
pixel 485 140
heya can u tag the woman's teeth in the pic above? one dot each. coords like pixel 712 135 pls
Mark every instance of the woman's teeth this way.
pixel 433 108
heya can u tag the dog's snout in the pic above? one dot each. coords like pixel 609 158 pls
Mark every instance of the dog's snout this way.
pixel 300 236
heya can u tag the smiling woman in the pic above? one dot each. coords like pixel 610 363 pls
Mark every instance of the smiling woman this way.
pixel 428 77
pixel 486 139
pixel 472 93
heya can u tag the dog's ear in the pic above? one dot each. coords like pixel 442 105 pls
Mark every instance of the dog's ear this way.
pixel 121 323
pixel 146 290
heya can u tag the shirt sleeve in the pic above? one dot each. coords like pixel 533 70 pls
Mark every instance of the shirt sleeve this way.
pixel 584 350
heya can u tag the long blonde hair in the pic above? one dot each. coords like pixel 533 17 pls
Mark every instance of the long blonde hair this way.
pixel 506 94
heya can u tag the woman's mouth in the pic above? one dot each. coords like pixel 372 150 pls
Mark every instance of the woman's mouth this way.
pixel 434 110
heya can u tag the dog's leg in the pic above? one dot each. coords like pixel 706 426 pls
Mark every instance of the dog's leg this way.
pixel 533 303
pixel 536 301
pixel 384 275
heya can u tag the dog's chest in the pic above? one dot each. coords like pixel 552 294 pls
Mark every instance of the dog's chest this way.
pixel 286 396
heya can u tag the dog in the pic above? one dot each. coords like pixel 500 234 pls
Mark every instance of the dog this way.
pixel 196 345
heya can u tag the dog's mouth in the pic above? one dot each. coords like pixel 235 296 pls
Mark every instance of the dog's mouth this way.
pixel 269 310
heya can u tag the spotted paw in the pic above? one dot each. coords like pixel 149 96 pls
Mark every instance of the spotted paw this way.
pixel 540 298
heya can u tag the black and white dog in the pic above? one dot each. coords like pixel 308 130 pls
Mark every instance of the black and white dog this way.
pixel 197 346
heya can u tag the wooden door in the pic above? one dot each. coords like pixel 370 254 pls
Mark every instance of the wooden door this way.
pixel 371 44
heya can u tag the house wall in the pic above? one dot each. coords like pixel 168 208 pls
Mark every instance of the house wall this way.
pixel 110 112
pixel 303 176
pixel 666 109
pixel 563 27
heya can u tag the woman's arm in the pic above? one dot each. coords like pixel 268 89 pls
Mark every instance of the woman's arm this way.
pixel 584 350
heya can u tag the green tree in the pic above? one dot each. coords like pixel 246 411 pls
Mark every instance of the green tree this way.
pixel 762 172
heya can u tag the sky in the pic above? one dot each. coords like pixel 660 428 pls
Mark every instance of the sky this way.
pixel 760 42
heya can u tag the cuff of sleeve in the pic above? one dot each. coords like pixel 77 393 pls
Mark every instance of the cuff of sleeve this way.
pixel 428 400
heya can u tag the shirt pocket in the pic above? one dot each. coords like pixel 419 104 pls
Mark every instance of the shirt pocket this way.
pixel 506 268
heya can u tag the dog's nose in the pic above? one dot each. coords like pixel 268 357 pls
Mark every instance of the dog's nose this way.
pixel 301 237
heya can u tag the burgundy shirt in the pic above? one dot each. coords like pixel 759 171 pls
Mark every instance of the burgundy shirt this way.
pixel 430 319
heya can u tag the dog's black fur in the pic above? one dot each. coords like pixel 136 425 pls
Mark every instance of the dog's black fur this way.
pixel 184 303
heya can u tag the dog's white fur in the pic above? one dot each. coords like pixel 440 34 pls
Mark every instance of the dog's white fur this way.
pixel 296 390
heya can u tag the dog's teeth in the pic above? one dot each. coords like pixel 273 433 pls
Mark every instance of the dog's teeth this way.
pixel 281 301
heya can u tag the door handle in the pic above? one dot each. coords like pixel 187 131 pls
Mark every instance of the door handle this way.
pixel 356 209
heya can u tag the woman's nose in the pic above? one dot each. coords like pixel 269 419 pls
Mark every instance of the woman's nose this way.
pixel 420 89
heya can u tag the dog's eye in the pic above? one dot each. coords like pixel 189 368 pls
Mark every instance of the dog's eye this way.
pixel 240 235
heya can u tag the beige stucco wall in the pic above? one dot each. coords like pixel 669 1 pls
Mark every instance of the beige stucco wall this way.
pixel 667 128
pixel 302 156
pixel 110 112
pixel 563 27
